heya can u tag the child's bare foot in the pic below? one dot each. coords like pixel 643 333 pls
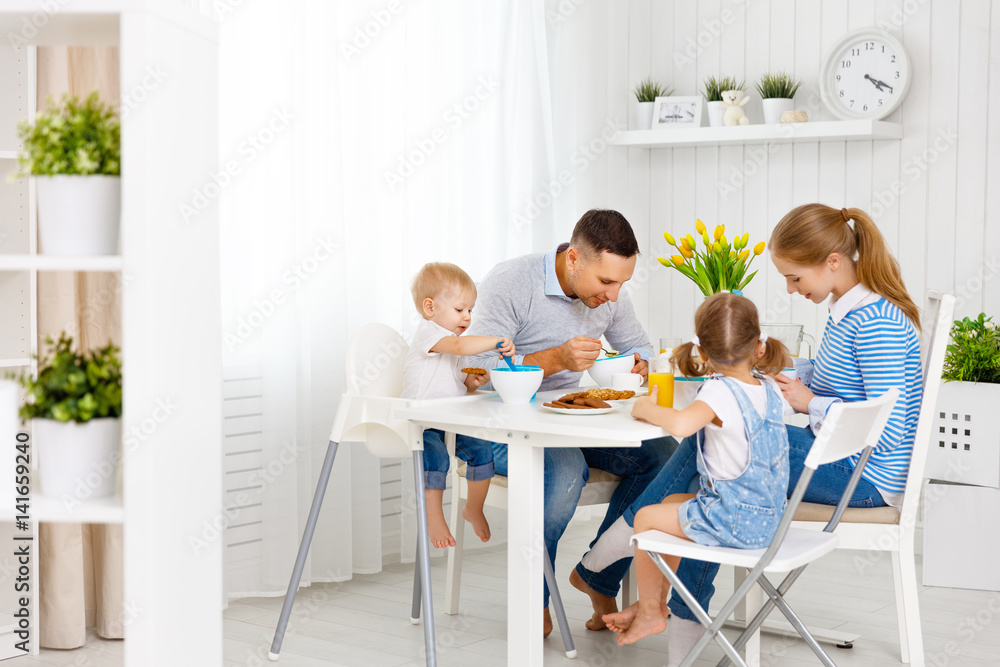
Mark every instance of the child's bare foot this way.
pixel 620 621
pixel 546 623
pixel 603 604
pixel 437 530
pixel 478 521
pixel 646 622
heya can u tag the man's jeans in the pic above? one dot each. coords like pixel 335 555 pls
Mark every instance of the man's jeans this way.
pixel 680 475
pixel 567 470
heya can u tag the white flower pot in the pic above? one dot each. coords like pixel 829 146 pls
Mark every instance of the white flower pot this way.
pixel 78 215
pixel 774 107
pixel 716 113
pixel 644 115
pixel 965 441
pixel 77 461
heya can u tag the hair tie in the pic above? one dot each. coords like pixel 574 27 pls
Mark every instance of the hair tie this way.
pixel 763 336
pixel 847 217
pixel 695 341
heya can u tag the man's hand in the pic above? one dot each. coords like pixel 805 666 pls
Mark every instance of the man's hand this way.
pixel 506 347
pixel 797 394
pixel 578 354
pixel 641 367
pixel 474 382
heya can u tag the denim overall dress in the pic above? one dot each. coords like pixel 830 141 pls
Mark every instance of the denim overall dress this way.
pixel 743 512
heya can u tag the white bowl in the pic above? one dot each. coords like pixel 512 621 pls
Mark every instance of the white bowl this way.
pixel 516 386
pixel 685 390
pixel 605 367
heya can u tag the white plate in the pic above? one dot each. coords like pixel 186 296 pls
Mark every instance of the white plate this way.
pixel 588 411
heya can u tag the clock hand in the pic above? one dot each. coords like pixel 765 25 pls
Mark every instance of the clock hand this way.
pixel 879 85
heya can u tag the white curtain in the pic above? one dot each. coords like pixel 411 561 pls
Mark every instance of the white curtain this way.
pixel 360 140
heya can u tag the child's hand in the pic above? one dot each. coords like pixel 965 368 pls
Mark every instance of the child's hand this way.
pixel 645 405
pixel 474 382
pixel 506 347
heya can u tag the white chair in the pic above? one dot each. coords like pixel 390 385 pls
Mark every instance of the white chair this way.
pixel 848 429
pixel 376 355
pixel 891 529
pixel 597 491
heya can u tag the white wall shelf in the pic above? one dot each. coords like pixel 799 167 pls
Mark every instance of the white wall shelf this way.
pixel 49 263
pixel 91 22
pixel 681 137
pixel 55 510
pixel 15 363
pixel 8 155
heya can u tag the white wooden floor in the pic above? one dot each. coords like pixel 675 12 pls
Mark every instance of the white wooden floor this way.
pixel 366 621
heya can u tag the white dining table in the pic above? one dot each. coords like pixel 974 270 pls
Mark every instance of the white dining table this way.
pixel 527 430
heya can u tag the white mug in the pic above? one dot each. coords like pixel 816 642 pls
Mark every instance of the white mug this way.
pixel 626 381
pixel 790 373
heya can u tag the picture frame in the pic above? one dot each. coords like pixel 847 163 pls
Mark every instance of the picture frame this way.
pixel 677 111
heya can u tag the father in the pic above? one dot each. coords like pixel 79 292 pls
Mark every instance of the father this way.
pixel 556 306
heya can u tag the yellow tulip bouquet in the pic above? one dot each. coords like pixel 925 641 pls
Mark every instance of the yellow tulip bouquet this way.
pixel 720 266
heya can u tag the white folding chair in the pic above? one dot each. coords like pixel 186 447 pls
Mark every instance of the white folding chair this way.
pixel 597 491
pixel 891 529
pixel 848 429
pixel 376 355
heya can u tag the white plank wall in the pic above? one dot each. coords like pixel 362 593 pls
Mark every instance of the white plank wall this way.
pixel 930 193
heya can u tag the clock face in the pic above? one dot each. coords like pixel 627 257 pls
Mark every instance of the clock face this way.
pixel 866 75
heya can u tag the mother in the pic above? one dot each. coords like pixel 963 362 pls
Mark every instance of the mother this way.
pixel 870 344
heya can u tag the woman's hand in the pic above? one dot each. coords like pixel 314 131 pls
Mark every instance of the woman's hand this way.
pixel 641 367
pixel 797 394
pixel 644 406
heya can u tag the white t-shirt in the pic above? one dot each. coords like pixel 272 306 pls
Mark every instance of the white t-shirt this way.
pixel 726 448
pixel 432 374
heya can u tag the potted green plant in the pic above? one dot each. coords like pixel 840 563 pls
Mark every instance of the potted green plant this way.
pixel 965 440
pixel 776 90
pixel 75 405
pixel 73 151
pixel 714 87
pixel 646 93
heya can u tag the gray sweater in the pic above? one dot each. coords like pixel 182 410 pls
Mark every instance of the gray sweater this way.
pixel 521 298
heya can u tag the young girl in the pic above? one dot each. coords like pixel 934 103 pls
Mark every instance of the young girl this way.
pixel 742 455
pixel 444 295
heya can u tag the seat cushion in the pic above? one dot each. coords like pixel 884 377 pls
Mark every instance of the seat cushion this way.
pixel 597 476
pixel 816 512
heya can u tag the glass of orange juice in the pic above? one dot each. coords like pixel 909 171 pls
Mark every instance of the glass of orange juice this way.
pixel 669 344
pixel 665 382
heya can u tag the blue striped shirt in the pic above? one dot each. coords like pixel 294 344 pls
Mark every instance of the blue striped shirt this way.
pixel 870 349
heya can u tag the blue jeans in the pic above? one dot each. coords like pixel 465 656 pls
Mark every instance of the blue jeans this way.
pixel 680 475
pixel 474 451
pixel 567 470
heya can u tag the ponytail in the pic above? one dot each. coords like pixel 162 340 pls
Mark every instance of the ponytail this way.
pixel 684 360
pixel 808 234
pixel 775 357
pixel 877 269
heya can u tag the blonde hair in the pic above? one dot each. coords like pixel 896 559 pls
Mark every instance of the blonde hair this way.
pixel 436 278
pixel 808 234
pixel 728 332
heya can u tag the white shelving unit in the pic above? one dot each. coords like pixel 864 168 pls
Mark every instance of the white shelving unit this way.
pixel 681 137
pixel 171 331
pixel 46 263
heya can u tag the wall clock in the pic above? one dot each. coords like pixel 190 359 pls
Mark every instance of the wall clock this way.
pixel 865 76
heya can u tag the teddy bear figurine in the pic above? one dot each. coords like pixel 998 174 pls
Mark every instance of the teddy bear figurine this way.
pixel 735 100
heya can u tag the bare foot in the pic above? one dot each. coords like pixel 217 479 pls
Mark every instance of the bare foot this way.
pixel 603 604
pixel 546 623
pixel 646 622
pixel 478 521
pixel 437 530
pixel 620 621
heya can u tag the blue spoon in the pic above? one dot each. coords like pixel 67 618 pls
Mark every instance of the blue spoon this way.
pixel 507 359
